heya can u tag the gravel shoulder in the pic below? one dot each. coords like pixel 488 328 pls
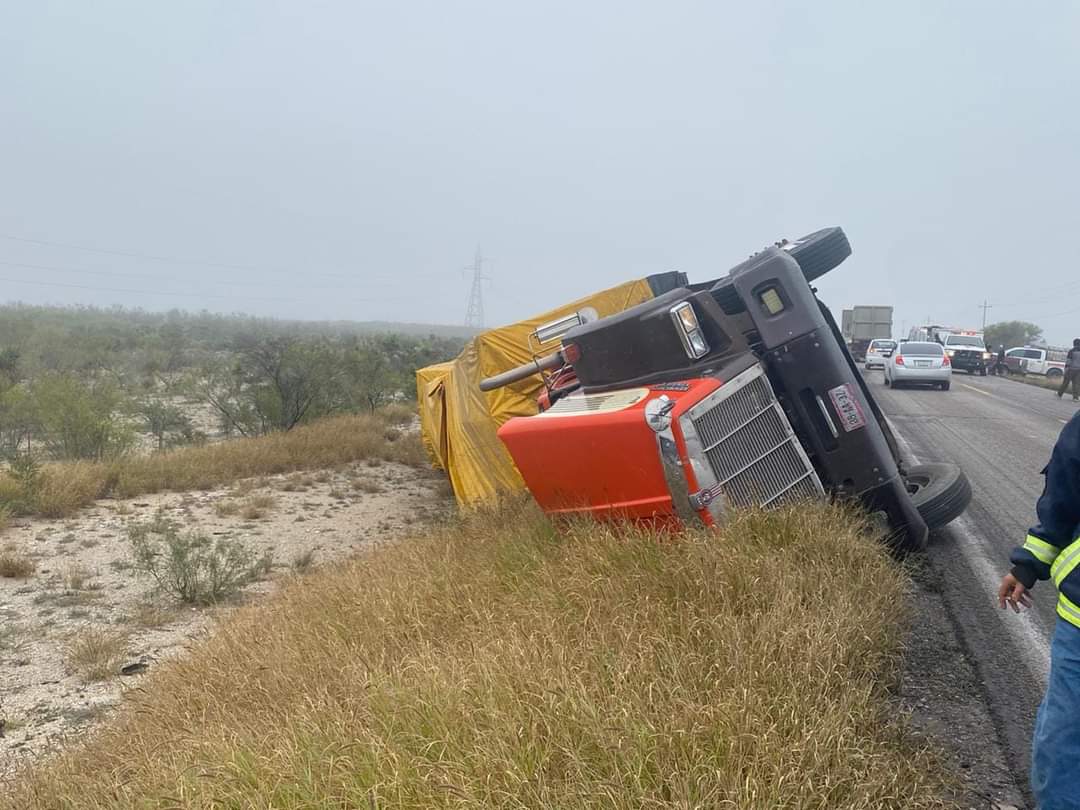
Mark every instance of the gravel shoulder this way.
pixel 948 701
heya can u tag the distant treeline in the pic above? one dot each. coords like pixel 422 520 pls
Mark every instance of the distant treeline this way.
pixel 79 382
pixel 139 342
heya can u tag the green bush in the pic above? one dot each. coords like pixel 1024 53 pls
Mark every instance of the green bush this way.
pixel 192 567
pixel 79 420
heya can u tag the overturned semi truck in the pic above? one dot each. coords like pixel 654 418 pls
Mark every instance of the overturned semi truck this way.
pixel 708 397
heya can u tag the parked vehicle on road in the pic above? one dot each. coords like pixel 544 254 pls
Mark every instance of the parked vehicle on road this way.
pixel 729 393
pixel 919 363
pixel 965 347
pixel 861 325
pixel 876 351
pixel 1046 362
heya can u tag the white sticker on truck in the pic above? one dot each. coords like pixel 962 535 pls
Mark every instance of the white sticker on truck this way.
pixel 847 407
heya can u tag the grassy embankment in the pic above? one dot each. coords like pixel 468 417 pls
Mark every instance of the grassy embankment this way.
pixel 1038 380
pixel 61 488
pixel 504 662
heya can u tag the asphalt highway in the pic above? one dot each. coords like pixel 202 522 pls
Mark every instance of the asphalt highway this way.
pixel 1001 432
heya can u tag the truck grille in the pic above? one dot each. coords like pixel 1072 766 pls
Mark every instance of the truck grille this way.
pixel 750 446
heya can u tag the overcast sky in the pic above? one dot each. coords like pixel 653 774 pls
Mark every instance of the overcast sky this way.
pixel 343 160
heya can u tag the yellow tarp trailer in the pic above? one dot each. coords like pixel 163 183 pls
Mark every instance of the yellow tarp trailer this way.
pixel 458 421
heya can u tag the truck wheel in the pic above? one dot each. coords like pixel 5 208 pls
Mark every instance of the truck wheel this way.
pixel 982 372
pixel 1054 373
pixel 941 492
pixel 819 252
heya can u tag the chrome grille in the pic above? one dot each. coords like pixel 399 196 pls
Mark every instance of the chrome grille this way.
pixel 739 408
pixel 750 446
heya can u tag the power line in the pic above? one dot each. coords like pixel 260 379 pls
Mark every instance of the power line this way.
pixel 172 294
pixel 134 254
pixel 54 268
pixel 118 274
pixel 135 292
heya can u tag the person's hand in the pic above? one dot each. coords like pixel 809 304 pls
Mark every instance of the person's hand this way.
pixel 1012 592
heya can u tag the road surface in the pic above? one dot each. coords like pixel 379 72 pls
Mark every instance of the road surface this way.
pixel 1001 432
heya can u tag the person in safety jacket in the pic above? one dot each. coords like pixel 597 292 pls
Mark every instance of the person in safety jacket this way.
pixel 1052 551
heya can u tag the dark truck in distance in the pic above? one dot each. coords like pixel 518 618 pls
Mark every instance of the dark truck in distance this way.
pixel 729 393
pixel 862 325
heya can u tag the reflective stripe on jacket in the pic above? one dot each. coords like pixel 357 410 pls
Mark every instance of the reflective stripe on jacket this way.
pixel 1052 548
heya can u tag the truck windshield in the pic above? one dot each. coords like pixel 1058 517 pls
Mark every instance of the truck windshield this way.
pixel 965 340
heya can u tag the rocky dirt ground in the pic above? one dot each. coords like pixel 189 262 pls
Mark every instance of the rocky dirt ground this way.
pixel 85 608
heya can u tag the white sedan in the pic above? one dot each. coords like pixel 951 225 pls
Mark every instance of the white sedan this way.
pixel 876 351
pixel 915 362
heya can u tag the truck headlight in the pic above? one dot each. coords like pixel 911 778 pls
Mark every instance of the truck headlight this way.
pixel 987 355
pixel 686 324
pixel 951 352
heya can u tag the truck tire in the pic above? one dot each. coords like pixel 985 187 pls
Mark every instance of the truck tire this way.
pixel 941 492
pixel 819 252
pixel 1054 374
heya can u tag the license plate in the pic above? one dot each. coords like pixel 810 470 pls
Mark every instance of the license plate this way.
pixel 923 364
pixel 847 407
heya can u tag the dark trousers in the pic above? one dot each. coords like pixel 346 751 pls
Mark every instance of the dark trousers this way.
pixel 1072 377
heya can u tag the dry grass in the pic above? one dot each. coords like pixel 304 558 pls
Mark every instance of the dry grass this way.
pixel 13 636
pixel 399 413
pixel 16 564
pixel 368 485
pixel 1039 381
pixel 66 487
pixel 254 507
pixel 76 577
pixel 504 663
pixel 303 561
pixel 96 654
pixel 151 614
pixel 257 506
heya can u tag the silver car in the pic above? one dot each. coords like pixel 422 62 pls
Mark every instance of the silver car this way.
pixel 876 351
pixel 917 362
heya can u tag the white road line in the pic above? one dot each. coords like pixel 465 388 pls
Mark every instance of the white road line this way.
pixel 1022 630
pixel 1000 399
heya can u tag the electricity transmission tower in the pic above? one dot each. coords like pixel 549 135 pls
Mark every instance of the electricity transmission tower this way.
pixel 985 306
pixel 475 315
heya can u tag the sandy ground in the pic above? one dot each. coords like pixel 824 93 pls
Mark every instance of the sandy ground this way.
pixel 84 585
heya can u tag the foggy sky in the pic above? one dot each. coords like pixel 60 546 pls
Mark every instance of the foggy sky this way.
pixel 343 160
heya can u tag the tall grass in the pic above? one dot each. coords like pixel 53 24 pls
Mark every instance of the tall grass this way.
pixel 1039 381
pixel 62 488
pixel 503 662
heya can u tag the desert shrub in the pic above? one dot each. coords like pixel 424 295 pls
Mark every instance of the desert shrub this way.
pixel 79 419
pixel 190 566
pixel 96 654
pixel 303 561
pixel 166 423
pixel 15 563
